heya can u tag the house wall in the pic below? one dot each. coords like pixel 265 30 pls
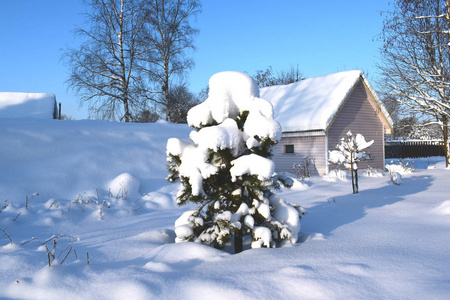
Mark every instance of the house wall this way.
pixel 359 115
pixel 313 147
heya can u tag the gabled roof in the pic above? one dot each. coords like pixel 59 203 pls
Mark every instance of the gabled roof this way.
pixel 27 105
pixel 313 103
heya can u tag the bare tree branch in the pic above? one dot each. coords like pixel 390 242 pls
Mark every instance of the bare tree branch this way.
pixel 416 59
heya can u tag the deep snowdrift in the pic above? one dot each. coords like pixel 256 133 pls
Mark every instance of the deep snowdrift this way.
pixel 102 193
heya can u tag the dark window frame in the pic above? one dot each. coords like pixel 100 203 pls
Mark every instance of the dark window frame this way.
pixel 289 149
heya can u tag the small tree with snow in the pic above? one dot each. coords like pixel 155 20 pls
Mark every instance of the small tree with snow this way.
pixel 226 170
pixel 350 151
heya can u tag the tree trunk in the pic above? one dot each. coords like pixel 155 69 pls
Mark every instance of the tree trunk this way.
pixel 446 145
pixel 127 111
pixel 122 63
pixel 166 95
pixel 352 171
pixel 238 243
pixel 356 190
pixel 166 91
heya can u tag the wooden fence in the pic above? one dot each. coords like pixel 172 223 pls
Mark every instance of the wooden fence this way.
pixel 414 149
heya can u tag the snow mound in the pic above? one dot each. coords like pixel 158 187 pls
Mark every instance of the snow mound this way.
pixel 443 208
pixel 157 267
pixel 160 236
pixel 158 200
pixel 9 248
pixel 186 252
pixel 124 185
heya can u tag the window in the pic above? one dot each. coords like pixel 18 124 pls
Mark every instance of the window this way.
pixel 289 149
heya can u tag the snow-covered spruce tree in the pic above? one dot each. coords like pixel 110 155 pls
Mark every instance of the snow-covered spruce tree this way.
pixel 226 170
pixel 350 151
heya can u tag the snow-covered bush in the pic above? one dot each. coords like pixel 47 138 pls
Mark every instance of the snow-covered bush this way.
pixel 337 174
pixel 401 167
pixel 371 172
pixel 226 169
pixel 303 169
pixel 349 152
pixel 395 170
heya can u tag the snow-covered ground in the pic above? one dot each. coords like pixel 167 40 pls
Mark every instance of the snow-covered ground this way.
pixel 103 194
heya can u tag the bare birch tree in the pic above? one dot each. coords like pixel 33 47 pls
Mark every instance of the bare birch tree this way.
pixel 170 36
pixel 103 71
pixel 416 59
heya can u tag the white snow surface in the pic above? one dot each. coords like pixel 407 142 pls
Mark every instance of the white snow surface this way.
pixel 312 103
pixel 386 242
pixel 27 105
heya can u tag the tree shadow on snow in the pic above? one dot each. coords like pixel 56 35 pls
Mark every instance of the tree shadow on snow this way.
pixel 327 216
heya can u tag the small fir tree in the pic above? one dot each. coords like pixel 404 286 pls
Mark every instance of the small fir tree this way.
pixel 226 170
pixel 350 151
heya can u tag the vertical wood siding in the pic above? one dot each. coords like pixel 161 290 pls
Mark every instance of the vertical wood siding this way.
pixel 313 147
pixel 360 116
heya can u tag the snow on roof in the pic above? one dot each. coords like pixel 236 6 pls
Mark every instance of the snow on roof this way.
pixel 311 104
pixel 27 105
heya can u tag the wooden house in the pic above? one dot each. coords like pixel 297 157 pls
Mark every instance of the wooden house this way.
pixel 316 113
pixel 28 105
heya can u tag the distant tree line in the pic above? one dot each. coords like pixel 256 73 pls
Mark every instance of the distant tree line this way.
pixel 269 77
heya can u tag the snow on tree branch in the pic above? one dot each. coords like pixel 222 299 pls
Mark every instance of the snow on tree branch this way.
pixel 350 151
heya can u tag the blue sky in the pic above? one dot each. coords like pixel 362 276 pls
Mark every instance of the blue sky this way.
pixel 320 36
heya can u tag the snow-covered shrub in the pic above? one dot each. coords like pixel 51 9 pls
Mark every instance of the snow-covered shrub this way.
pixel 226 169
pixel 401 167
pixel 371 172
pixel 349 152
pixel 303 169
pixel 337 173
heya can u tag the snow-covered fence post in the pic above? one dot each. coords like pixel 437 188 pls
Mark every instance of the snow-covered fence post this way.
pixel 226 170
pixel 349 152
